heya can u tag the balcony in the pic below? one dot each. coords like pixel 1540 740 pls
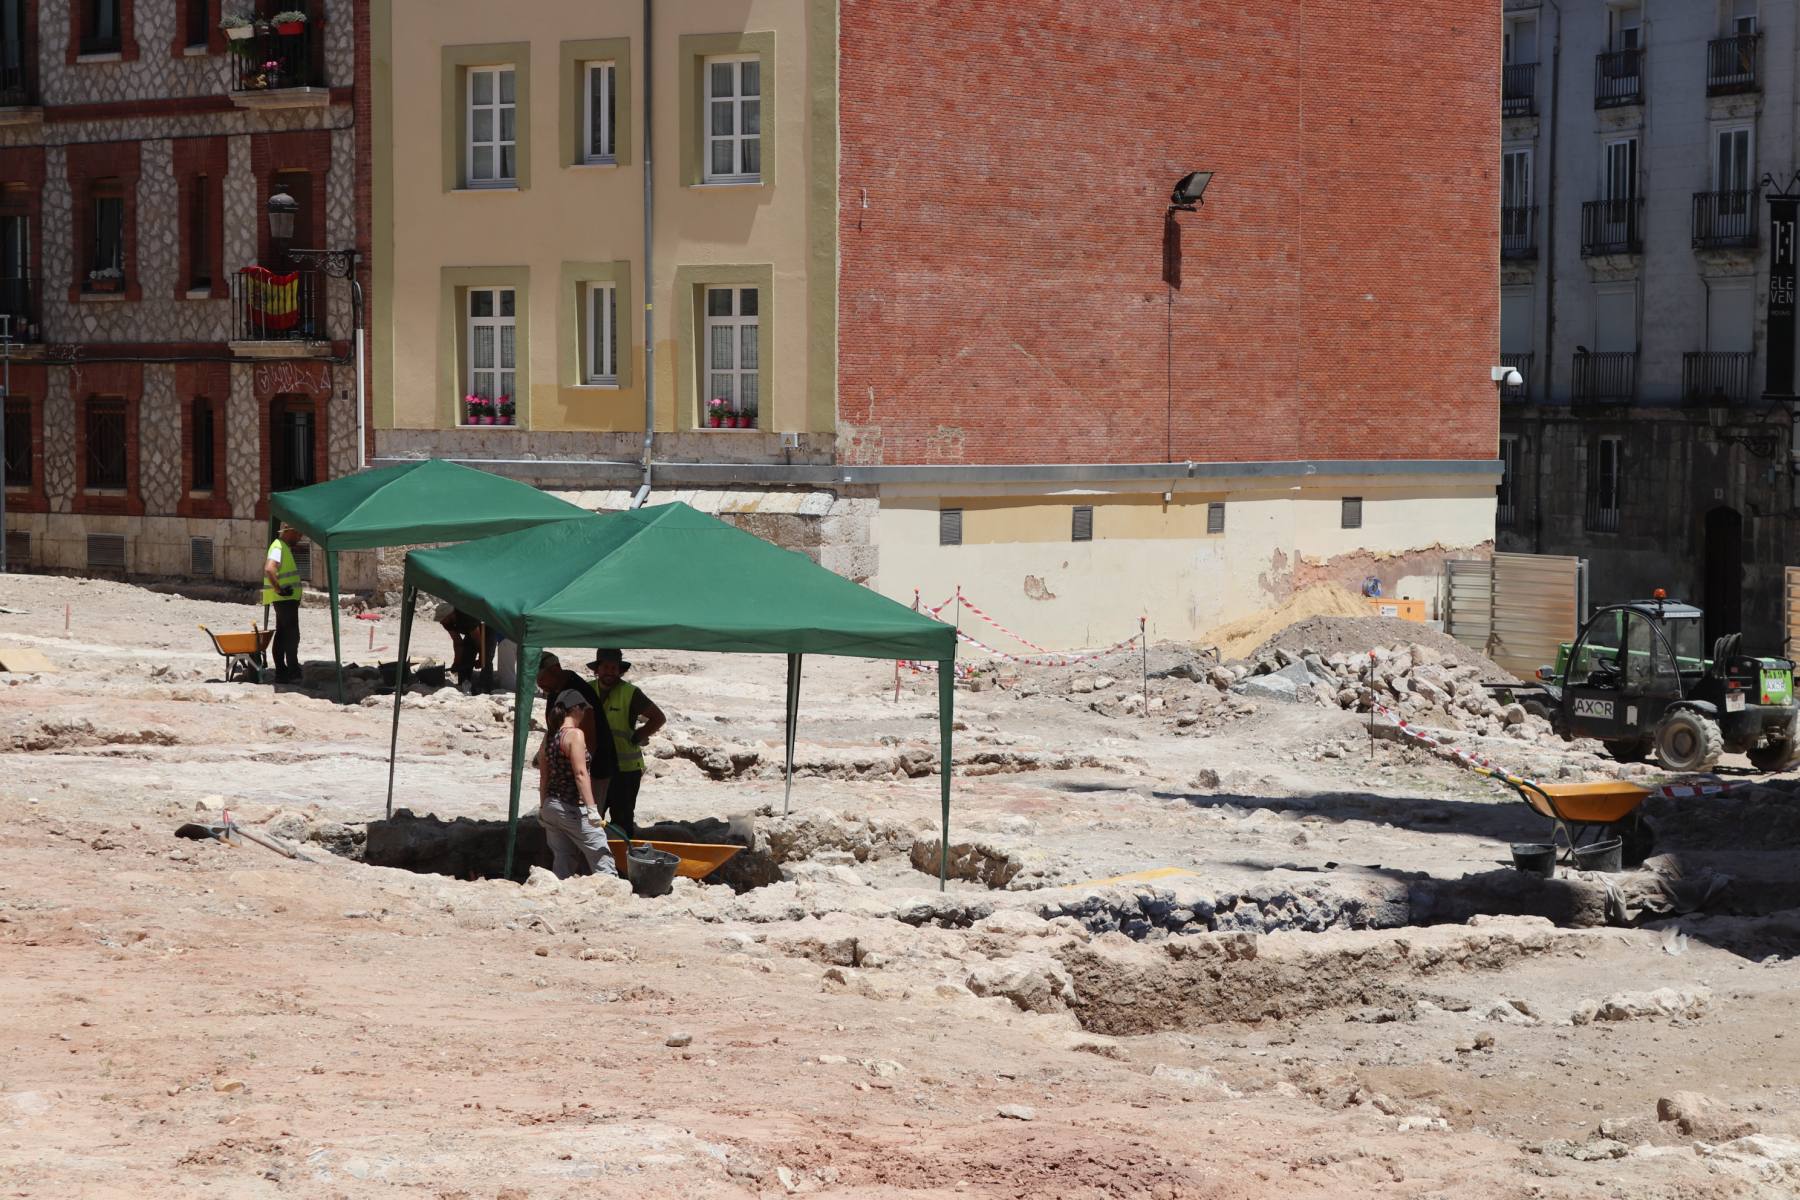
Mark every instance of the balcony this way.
pixel 1731 65
pixel 1518 393
pixel 1506 513
pixel 277 314
pixel 1599 517
pixel 19 303
pixel 1726 220
pixel 1518 90
pixel 1605 378
pixel 1612 227
pixel 1716 378
pixel 271 69
pixel 1618 78
pixel 1518 231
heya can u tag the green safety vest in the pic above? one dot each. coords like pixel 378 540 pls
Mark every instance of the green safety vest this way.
pixel 287 575
pixel 616 704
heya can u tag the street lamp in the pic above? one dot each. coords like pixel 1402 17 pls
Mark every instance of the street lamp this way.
pixel 338 264
pixel 1186 196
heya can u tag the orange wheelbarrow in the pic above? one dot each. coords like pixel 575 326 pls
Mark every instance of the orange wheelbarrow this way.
pixel 698 859
pixel 245 654
pixel 1609 808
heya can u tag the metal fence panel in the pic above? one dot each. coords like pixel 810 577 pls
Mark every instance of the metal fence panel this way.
pixel 1792 646
pixel 1536 607
pixel 1469 607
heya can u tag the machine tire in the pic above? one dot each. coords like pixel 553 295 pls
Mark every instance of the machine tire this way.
pixel 1630 750
pixel 1780 754
pixel 1688 741
pixel 1537 708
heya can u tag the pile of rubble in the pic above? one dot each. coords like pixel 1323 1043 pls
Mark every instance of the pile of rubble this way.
pixel 1421 684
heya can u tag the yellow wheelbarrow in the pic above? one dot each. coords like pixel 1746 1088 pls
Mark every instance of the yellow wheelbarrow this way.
pixel 245 654
pixel 1609 808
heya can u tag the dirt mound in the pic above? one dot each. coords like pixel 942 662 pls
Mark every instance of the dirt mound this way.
pixel 1327 636
pixel 1238 638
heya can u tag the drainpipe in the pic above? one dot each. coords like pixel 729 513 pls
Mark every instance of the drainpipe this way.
pixel 646 141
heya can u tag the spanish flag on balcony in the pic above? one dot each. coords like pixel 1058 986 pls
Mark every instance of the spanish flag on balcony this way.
pixel 273 300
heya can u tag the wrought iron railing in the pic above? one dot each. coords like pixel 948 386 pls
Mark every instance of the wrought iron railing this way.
pixel 1612 226
pixel 269 60
pixel 15 85
pixel 1726 220
pixel 1600 519
pixel 270 306
pixel 1518 231
pixel 19 302
pixel 1605 378
pixel 1731 64
pixel 1520 392
pixel 1506 515
pixel 1716 377
pixel 1518 89
pixel 1618 78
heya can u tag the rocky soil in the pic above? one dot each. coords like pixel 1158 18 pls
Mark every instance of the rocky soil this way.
pixel 1204 938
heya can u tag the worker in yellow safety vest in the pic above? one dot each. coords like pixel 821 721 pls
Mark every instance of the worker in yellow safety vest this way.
pixel 623 706
pixel 281 588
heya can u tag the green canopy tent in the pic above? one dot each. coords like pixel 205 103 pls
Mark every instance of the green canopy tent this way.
pixel 426 501
pixel 668 578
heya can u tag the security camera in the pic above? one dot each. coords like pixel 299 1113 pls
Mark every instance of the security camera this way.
pixel 1507 375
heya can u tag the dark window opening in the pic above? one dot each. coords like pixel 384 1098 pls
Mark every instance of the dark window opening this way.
pixel 950 526
pixel 1082 526
pixel 100 27
pixel 202 480
pixel 1352 514
pixel 106 444
pixel 13 56
pixel 107 261
pixel 292 436
pixel 198 27
pixel 18 444
pixel 1215 517
pixel 200 271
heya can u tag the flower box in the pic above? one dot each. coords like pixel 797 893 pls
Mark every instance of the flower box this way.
pixel 290 28
pixel 238 33
pixel 106 284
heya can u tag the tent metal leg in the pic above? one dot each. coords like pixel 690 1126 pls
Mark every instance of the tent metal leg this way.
pixel 946 718
pixel 337 636
pixel 529 657
pixel 793 722
pixel 409 595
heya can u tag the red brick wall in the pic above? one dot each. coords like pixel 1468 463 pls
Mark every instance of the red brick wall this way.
pixel 107 380
pixel 212 382
pixel 28 390
pixel 1005 169
pixel 195 157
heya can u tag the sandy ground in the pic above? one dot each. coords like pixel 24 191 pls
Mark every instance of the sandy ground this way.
pixel 188 1018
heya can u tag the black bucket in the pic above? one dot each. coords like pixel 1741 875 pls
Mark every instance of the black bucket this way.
pixel 651 871
pixel 1535 858
pixel 1603 855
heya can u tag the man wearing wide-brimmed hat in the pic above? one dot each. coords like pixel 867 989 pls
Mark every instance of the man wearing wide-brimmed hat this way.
pixel 623 706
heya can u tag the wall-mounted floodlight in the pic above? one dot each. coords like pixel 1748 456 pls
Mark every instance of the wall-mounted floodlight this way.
pixel 1189 191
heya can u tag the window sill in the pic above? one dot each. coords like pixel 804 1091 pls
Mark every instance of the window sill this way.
pixel 203 292
pixel 722 429
pixel 514 426
pixel 478 188
pixel 599 385
pixel 195 51
pixel 608 163
pixel 206 495
pixel 102 297
pixel 729 183
pixel 111 56
pixel 105 493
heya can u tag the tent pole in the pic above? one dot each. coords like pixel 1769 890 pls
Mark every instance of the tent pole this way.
pixel 529 657
pixel 408 595
pixel 793 721
pixel 946 718
pixel 337 637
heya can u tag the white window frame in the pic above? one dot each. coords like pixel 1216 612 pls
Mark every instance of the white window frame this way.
pixel 600 348
pixel 1517 51
pixel 609 154
pixel 498 144
pixel 1607 176
pixel 739 324
pixel 1623 36
pixel 738 138
pixel 1739 23
pixel 1719 134
pixel 498 323
pixel 1519 197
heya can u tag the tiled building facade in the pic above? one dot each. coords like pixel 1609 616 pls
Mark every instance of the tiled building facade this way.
pixel 159 391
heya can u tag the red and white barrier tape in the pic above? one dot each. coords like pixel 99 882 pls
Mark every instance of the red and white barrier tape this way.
pixel 1054 659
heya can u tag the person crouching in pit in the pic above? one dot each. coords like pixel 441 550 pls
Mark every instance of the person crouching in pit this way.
pixel 567 810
